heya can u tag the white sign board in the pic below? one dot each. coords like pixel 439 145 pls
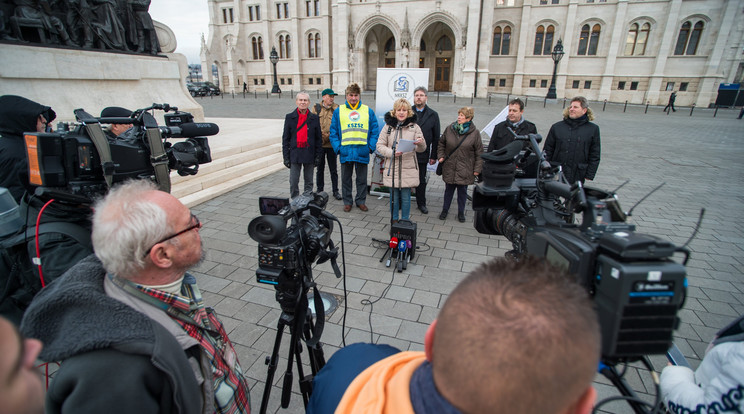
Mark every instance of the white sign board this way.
pixel 395 83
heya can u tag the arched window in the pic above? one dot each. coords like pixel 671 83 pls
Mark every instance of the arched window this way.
pixel 695 38
pixel 284 46
pixel 313 45
pixel 539 39
pixel 257 46
pixel 583 39
pixel 501 38
pixel 689 38
pixel 594 40
pixel 444 44
pixel 635 43
pixel 544 40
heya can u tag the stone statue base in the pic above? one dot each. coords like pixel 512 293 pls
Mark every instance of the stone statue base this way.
pixel 67 79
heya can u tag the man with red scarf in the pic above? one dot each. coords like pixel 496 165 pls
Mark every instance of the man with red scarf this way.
pixel 302 145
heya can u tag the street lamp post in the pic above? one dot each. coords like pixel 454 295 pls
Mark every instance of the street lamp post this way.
pixel 556 55
pixel 274 57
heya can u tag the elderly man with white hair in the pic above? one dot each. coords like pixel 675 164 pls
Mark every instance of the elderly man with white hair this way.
pixel 129 323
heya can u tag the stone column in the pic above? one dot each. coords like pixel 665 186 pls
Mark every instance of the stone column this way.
pixel 670 31
pixel 617 43
pixel 341 45
pixel 524 33
pixel 470 52
pixel 708 88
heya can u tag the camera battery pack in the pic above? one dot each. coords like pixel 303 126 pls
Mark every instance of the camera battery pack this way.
pixel 405 230
pixel 637 303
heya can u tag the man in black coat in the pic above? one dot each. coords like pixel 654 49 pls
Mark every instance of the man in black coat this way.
pixel 574 142
pixel 18 115
pixel 514 120
pixel 302 145
pixel 428 121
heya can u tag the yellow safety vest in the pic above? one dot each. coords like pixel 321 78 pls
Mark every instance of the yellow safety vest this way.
pixel 354 124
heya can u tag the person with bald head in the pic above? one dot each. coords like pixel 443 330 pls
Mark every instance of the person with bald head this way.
pixel 21 388
pixel 513 337
pixel 129 323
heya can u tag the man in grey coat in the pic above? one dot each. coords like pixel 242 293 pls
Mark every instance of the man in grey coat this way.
pixel 129 324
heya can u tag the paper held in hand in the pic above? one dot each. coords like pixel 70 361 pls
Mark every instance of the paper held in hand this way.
pixel 405 145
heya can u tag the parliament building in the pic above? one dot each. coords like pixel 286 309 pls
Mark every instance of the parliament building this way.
pixel 638 51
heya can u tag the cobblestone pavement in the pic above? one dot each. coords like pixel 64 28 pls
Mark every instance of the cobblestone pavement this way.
pixel 699 157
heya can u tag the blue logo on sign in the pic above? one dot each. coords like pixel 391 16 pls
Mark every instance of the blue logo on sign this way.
pixel 401 84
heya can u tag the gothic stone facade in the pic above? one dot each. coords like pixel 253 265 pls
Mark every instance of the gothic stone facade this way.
pixel 620 50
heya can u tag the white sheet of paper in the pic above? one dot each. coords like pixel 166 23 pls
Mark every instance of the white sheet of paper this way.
pixel 405 145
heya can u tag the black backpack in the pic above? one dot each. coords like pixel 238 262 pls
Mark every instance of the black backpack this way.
pixel 19 278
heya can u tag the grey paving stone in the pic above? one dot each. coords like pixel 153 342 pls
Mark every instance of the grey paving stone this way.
pixel 650 149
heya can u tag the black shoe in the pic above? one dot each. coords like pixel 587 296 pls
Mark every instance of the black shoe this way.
pixel 423 209
pixel 337 196
pixel 461 217
pixel 443 215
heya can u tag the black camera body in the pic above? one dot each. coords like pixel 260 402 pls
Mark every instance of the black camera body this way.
pixel 636 286
pixel 83 161
pixel 286 253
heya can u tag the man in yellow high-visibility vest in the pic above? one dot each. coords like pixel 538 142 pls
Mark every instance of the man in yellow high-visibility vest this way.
pixel 354 133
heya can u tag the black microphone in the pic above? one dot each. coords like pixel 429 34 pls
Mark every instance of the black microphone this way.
pixel 190 130
pixel 197 129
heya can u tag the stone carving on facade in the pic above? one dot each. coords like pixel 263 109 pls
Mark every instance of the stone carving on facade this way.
pixel 122 25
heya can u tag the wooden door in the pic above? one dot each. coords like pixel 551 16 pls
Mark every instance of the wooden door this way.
pixel 442 74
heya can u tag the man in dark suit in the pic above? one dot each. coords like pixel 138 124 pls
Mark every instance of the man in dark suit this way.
pixel 302 145
pixel 514 120
pixel 428 121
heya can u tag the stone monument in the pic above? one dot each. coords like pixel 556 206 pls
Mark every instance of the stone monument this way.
pixel 90 54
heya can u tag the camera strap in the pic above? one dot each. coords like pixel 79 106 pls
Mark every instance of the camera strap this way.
pixel 319 319
pixel 453 151
pixel 159 159
pixel 95 132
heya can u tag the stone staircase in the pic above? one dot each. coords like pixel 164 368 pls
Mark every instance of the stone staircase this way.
pixel 242 152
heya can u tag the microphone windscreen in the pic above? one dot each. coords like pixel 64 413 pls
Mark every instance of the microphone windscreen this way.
pixel 402 245
pixel 393 242
pixel 199 129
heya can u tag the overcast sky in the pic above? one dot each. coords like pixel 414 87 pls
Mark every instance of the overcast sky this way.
pixel 188 19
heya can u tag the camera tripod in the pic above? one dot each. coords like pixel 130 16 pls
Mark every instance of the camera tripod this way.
pixel 301 327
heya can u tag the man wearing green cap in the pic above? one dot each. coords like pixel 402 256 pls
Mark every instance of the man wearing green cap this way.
pixel 324 110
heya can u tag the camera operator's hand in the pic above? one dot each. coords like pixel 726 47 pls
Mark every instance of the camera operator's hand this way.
pixel 286 163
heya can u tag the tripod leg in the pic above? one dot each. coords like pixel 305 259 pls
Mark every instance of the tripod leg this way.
pixel 272 363
pixel 294 352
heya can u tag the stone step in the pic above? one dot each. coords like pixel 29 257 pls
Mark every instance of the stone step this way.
pixel 234 164
pixel 226 159
pixel 270 164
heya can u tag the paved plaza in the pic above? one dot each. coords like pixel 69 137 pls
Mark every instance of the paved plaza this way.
pixel 699 157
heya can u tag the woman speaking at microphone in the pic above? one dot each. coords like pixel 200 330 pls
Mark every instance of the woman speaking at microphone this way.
pixel 401 168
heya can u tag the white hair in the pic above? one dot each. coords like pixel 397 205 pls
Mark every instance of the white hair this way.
pixel 126 225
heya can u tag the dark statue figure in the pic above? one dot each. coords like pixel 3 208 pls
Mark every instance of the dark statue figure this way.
pixel 123 25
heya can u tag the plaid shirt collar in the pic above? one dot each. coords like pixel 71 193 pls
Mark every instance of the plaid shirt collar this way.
pixel 231 390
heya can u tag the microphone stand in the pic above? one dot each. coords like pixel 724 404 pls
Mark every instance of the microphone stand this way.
pixel 392 167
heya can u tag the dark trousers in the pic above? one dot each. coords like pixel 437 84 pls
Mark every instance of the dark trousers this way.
pixel 421 189
pixel 294 179
pixel 347 170
pixel 666 108
pixel 462 196
pixel 330 157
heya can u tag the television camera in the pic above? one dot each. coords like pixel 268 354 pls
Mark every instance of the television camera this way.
pixel 636 286
pixel 80 160
pixel 285 256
